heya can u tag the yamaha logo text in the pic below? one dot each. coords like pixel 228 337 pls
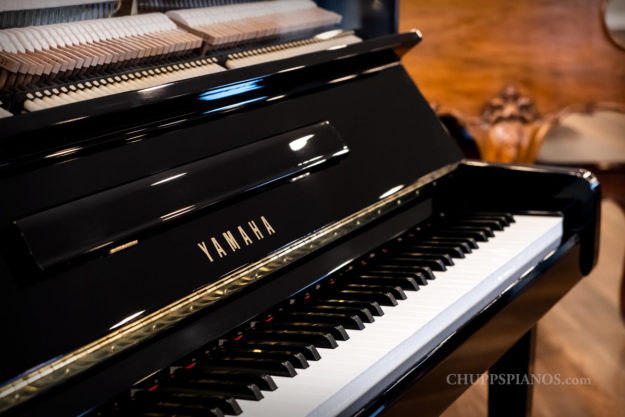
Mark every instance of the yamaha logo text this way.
pixel 234 239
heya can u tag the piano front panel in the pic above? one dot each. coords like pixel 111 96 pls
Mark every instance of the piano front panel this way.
pixel 147 285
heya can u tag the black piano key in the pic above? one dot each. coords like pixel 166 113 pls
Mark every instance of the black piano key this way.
pixel 473 234
pixel 384 298
pixel 506 216
pixel 427 257
pixel 296 358
pixel 362 313
pixel 372 306
pixel 226 404
pixel 502 220
pixel 432 263
pixel 402 269
pixel 463 246
pixel 268 366
pixel 464 241
pixel 242 390
pixel 264 381
pixel 406 283
pixel 396 290
pixel 450 250
pixel 468 237
pixel 349 321
pixel 418 276
pixel 493 224
pixel 483 229
pixel 317 338
pixel 309 350
pixel 336 330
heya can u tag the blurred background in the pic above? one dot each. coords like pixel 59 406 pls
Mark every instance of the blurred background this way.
pixel 542 81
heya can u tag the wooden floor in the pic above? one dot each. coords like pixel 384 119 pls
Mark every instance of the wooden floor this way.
pixel 581 337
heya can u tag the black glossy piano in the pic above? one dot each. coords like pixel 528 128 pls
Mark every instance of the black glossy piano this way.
pixel 203 219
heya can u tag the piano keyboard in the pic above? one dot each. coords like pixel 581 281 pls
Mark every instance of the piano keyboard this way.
pixel 227 25
pixel 322 350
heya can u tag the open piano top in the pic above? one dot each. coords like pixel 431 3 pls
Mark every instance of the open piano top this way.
pixel 50 65
pixel 171 178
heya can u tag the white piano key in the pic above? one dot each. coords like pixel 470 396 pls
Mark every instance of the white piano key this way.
pixel 413 327
pixel 5 113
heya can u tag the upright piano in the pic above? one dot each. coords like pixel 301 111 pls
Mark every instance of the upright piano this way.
pixel 247 208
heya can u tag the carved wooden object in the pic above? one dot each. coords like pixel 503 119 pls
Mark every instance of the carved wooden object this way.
pixel 510 129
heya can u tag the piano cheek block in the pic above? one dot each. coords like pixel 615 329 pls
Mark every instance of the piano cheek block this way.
pixel 93 224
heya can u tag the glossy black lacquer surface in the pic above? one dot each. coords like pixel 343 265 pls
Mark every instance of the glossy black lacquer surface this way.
pixel 79 128
pixel 372 104
pixel 514 400
pixel 92 224
pixel 377 112
pixel 574 192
